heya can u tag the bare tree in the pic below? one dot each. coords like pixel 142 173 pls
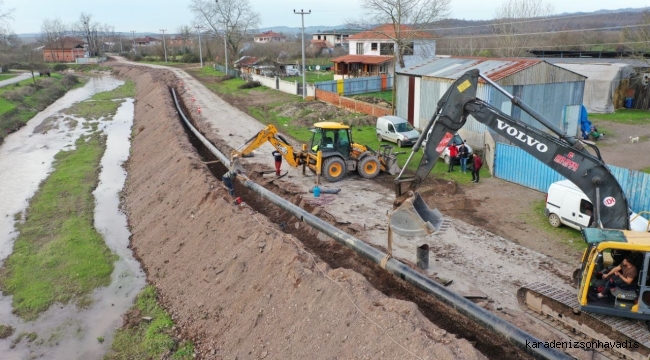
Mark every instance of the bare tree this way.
pixel 5 17
pixel 233 18
pixel 407 20
pixel 517 29
pixel 53 34
pixel 639 38
pixel 185 34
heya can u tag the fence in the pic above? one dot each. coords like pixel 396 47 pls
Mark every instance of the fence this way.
pixel 356 86
pixel 515 165
pixel 231 71
pixel 352 104
pixel 92 60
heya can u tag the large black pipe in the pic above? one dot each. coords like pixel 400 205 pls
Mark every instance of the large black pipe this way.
pixel 489 320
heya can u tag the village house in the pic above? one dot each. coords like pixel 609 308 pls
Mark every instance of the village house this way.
pixel 333 38
pixel 66 50
pixel 147 41
pixel 371 53
pixel 269 36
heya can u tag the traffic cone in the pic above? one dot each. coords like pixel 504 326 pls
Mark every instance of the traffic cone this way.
pixel 199 110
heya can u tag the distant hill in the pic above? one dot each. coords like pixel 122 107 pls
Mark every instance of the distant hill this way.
pixel 296 30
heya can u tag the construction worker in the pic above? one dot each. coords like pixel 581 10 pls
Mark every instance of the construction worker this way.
pixel 277 156
pixel 228 180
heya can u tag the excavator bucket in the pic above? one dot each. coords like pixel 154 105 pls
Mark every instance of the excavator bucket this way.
pixel 414 218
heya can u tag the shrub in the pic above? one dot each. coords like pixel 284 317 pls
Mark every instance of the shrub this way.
pixel 189 58
pixel 70 81
pixel 250 85
pixel 60 67
pixel 226 77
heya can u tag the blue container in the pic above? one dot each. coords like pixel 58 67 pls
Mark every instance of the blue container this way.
pixel 316 191
pixel 628 103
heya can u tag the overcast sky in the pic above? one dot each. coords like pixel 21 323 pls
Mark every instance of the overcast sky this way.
pixel 153 15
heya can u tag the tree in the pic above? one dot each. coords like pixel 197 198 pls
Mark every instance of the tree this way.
pixel 53 34
pixel 233 18
pixel 5 17
pixel 184 33
pixel 516 28
pixel 639 38
pixel 415 14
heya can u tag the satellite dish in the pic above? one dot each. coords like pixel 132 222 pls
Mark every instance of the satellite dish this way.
pixel 317 67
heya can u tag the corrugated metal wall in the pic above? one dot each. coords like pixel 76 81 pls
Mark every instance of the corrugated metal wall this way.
pixel 402 95
pixel 356 85
pixel 515 165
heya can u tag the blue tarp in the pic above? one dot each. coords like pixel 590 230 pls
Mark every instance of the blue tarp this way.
pixel 585 124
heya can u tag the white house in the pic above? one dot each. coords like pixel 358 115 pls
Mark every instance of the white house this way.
pixel 371 52
pixel 334 38
pixel 269 36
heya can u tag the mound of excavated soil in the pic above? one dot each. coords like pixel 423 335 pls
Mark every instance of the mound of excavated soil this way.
pixel 233 282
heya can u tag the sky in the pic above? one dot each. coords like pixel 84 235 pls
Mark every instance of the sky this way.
pixel 153 15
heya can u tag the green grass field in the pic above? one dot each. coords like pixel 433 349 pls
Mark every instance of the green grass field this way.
pixel 386 96
pixel 624 116
pixel 6 106
pixel 149 339
pixel 102 104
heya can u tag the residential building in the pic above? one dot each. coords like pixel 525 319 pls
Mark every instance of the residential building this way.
pixel 246 63
pixel 269 36
pixel 65 50
pixel 371 52
pixel 147 41
pixel 334 38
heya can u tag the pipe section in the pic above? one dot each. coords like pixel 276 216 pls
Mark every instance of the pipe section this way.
pixel 489 320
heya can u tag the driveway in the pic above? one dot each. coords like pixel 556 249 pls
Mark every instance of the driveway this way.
pixel 21 77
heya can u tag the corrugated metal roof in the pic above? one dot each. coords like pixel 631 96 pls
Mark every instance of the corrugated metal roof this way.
pixel 454 67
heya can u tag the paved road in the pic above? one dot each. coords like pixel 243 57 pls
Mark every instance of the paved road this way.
pixel 21 77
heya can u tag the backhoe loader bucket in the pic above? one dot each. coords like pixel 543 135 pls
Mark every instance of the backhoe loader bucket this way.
pixel 391 165
pixel 414 218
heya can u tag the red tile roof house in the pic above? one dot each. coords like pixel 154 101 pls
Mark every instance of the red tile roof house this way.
pixel 372 51
pixel 245 64
pixel 64 51
pixel 147 41
pixel 269 36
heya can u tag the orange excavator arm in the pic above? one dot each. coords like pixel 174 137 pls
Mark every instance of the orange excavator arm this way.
pixel 270 134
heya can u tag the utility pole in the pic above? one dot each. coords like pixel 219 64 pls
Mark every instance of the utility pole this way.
pixel 164 44
pixel 198 28
pixel 304 78
pixel 121 49
pixel 135 50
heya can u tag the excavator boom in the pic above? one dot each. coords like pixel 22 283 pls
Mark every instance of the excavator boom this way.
pixel 564 154
pixel 270 134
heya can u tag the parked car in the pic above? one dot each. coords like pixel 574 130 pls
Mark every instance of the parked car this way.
pixel 396 129
pixel 456 140
pixel 567 205
pixel 292 72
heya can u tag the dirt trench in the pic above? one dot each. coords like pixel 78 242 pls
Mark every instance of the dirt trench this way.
pixel 241 283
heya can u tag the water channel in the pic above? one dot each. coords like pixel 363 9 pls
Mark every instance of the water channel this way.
pixel 26 157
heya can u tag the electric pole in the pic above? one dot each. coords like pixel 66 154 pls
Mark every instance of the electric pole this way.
pixel 164 44
pixel 135 50
pixel 198 28
pixel 304 78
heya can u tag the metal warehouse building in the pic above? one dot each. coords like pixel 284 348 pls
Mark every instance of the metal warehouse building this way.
pixel 554 92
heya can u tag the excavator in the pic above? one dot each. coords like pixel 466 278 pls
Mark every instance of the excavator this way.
pixel 331 152
pixel 620 321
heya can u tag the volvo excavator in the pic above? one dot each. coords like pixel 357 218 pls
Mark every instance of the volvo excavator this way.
pixel 618 322
pixel 331 152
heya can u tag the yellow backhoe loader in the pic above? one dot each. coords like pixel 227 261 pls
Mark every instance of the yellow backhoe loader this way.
pixel 331 152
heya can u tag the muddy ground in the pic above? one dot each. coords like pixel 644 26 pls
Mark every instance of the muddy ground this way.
pixel 240 286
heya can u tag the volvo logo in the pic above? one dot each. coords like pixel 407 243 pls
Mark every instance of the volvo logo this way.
pixel 521 136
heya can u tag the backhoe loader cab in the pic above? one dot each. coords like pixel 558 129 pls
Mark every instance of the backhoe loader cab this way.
pixel 606 248
pixel 331 138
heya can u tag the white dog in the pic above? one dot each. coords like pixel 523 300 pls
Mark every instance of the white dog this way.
pixel 634 140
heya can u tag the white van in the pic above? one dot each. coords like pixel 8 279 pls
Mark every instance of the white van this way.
pixel 396 129
pixel 567 205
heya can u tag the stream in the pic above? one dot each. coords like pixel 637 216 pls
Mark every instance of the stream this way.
pixel 26 157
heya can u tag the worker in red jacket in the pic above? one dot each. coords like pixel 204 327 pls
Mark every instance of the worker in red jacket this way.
pixel 453 154
pixel 476 166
